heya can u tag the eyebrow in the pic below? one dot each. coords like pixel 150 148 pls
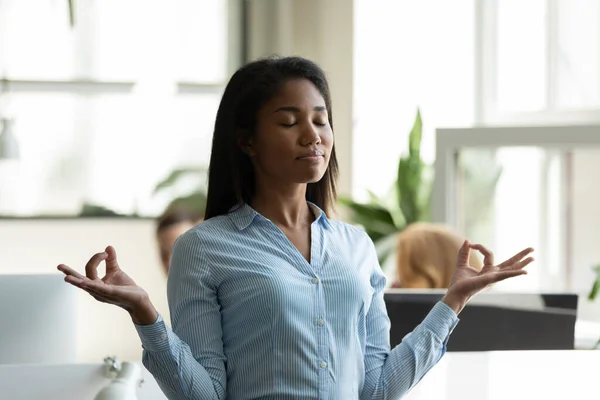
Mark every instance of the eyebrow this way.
pixel 296 109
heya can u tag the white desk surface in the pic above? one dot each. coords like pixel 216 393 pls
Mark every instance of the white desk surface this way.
pixel 63 382
pixel 514 375
pixel 518 375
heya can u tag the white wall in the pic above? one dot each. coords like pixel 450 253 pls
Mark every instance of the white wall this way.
pixel 38 246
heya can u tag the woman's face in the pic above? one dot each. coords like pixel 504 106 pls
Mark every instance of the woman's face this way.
pixel 293 139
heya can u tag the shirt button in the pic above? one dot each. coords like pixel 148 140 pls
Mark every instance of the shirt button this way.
pixel 315 280
pixel 321 321
pixel 323 364
pixel 163 336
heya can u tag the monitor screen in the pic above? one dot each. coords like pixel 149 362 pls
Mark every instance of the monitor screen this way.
pixel 492 320
pixel 38 314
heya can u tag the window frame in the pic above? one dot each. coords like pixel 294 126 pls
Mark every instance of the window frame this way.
pixel 449 142
pixel 486 110
pixel 90 88
pixel 235 51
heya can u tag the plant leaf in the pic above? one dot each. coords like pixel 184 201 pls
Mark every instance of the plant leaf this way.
pixel 194 202
pixel 414 138
pixel 409 185
pixel 385 247
pixel 374 199
pixel 176 175
pixel 375 219
pixel 596 286
pixel 413 188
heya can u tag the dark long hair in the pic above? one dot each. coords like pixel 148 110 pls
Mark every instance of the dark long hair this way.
pixel 231 180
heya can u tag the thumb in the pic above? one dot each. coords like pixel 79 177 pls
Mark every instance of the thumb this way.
pixel 463 253
pixel 111 260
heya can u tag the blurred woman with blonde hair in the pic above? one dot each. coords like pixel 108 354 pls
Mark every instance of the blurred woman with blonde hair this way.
pixel 427 255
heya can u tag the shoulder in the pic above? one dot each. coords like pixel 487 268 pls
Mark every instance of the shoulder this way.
pixel 209 231
pixel 351 233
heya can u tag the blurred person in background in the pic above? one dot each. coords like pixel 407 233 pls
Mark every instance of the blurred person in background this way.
pixel 169 226
pixel 426 256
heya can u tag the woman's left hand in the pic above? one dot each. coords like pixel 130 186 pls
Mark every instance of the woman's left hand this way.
pixel 468 281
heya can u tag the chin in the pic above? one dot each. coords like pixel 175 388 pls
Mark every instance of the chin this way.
pixel 311 178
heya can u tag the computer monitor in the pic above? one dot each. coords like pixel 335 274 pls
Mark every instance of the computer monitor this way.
pixel 492 320
pixel 38 317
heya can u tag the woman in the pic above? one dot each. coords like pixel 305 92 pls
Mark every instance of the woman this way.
pixel 426 255
pixel 169 226
pixel 270 298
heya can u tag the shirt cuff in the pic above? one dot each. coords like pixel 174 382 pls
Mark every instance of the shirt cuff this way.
pixel 155 337
pixel 442 320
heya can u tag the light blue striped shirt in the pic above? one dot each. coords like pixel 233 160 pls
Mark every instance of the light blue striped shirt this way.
pixel 252 319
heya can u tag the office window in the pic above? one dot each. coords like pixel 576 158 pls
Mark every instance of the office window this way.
pixel 105 109
pixel 512 187
pixel 537 65
pixel 521 58
pixel 537 61
pixel 406 57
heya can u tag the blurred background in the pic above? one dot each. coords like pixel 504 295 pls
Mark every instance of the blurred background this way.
pixel 107 109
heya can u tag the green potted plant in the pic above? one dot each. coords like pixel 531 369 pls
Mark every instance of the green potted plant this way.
pixel 194 198
pixel 593 295
pixel 409 200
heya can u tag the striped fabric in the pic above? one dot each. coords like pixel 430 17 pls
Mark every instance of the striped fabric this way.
pixel 252 319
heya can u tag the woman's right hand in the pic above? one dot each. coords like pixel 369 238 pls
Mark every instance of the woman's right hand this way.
pixel 116 287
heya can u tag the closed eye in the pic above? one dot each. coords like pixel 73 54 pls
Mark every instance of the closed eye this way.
pixel 295 123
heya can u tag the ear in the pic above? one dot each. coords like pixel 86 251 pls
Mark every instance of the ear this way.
pixel 245 143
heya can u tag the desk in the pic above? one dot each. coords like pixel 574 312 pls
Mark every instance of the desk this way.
pixel 512 375
pixel 63 381
pixel 509 375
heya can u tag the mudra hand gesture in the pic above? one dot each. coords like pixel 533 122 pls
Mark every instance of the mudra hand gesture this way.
pixel 116 287
pixel 468 281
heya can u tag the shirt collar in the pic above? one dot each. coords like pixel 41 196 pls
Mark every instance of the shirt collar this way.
pixel 243 215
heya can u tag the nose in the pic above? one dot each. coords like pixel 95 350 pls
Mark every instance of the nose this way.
pixel 310 135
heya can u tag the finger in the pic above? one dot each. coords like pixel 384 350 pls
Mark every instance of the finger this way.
pixel 75 281
pixel 519 265
pixel 463 254
pixel 111 260
pixel 97 286
pixel 91 268
pixel 99 296
pixel 91 287
pixel 69 271
pixel 488 256
pixel 499 276
pixel 516 258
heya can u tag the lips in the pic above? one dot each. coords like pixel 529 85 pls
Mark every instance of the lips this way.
pixel 311 155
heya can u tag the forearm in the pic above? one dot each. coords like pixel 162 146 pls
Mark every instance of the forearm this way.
pixel 455 302
pixel 144 314
pixel 410 360
pixel 171 362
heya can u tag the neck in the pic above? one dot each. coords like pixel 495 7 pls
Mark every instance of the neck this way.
pixel 286 207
